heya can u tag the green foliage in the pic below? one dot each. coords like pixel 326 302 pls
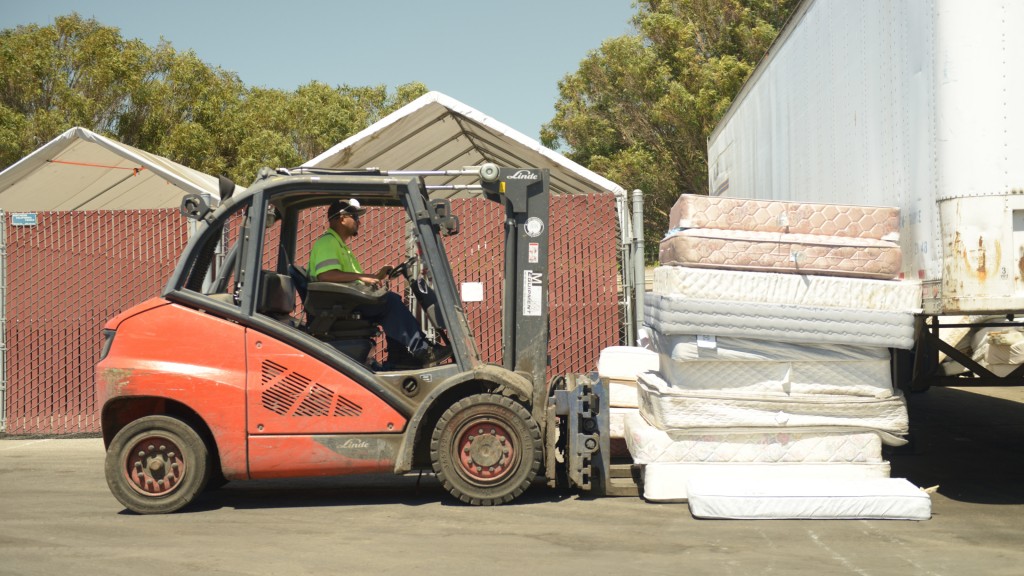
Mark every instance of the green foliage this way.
pixel 77 72
pixel 640 108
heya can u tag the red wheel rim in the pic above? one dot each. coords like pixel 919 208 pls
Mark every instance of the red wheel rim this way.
pixel 154 466
pixel 485 451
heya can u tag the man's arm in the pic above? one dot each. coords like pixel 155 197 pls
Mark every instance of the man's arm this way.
pixel 339 276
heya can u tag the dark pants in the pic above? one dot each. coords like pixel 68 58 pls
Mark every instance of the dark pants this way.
pixel 400 325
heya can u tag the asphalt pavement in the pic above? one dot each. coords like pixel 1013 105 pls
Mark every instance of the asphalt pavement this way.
pixel 57 517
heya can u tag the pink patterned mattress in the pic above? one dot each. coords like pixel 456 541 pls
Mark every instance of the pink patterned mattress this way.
pixel 778 252
pixel 694 211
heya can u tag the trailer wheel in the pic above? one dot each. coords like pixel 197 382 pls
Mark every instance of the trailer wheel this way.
pixel 486 449
pixel 157 465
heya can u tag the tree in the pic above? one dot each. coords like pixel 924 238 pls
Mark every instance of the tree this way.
pixel 640 108
pixel 77 72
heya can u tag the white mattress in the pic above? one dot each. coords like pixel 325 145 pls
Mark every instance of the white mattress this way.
pixel 672 314
pixel 799 289
pixel 689 347
pixel 622 394
pixel 648 444
pixel 755 498
pixel 668 481
pixel 667 407
pixel 617 421
pixel 761 367
pixel 625 362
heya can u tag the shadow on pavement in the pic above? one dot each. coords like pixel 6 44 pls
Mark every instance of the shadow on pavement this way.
pixel 970 445
pixel 410 490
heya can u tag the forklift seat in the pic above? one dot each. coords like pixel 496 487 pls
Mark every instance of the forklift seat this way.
pixel 277 296
pixel 336 310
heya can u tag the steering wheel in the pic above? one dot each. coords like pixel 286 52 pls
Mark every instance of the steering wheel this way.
pixel 403 269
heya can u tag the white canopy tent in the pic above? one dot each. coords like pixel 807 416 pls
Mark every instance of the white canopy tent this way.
pixel 82 170
pixel 437 132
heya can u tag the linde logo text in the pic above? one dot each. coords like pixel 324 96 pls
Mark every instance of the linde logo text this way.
pixel 523 175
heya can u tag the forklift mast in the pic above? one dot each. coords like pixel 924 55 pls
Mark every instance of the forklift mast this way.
pixel 524 195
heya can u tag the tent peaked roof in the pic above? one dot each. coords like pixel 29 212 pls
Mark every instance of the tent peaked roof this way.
pixel 81 170
pixel 437 132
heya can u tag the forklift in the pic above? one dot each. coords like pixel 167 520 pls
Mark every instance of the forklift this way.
pixel 246 368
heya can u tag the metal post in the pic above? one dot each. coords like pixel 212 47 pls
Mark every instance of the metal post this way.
pixel 3 321
pixel 638 262
pixel 622 210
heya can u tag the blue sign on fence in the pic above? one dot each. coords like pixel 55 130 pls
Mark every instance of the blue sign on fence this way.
pixel 25 219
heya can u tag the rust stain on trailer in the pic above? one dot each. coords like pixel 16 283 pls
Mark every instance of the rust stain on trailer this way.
pixel 981 259
pixel 974 261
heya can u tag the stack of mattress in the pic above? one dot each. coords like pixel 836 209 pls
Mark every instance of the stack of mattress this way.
pixel 772 322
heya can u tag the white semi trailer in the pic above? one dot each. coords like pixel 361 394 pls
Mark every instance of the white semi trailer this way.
pixel 917 104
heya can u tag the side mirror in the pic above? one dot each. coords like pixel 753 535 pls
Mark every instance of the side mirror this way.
pixel 441 210
pixel 194 207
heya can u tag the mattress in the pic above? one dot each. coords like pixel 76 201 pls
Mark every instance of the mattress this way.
pixel 669 481
pixel 756 499
pixel 622 394
pixel 649 445
pixel 667 407
pixel 802 290
pixel 774 252
pixel 691 347
pixel 703 364
pixel 698 211
pixel 625 362
pixel 617 421
pixel 672 314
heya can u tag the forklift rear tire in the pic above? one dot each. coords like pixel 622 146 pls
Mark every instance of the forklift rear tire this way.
pixel 486 449
pixel 157 465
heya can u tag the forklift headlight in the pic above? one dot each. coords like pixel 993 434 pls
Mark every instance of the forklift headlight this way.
pixel 108 340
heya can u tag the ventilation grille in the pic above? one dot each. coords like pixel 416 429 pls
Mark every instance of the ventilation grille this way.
pixel 285 392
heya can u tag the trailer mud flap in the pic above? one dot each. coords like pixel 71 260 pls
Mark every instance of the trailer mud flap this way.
pixel 578 409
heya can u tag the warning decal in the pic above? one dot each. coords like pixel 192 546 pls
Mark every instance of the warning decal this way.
pixel 533 293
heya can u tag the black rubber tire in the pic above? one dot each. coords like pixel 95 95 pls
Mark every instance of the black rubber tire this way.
pixel 187 450
pixel 486 412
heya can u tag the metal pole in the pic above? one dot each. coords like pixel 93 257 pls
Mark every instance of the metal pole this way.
pixel 625 216
pixel 638 262
pixel 3 321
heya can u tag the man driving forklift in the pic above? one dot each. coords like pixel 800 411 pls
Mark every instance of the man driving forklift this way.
pixel 331 260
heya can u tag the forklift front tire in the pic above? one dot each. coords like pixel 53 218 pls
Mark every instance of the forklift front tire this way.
pixel 486 449
pixel 157 465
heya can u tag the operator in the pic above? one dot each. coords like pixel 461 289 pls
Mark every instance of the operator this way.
pixel 331 260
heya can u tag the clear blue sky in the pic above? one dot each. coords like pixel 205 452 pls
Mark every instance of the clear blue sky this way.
pixel 504 58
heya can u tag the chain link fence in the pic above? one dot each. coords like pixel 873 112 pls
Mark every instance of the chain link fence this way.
pixel 72 271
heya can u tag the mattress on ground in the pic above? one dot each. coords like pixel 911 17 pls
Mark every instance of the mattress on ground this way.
pixel 669 481
pixel 756 499
pixel 648 444
pixel 671 314
pixel 798 289
pixel 625 362
pixel 699 211
pixel 790 253
pixel 667 407
pixel 693 364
